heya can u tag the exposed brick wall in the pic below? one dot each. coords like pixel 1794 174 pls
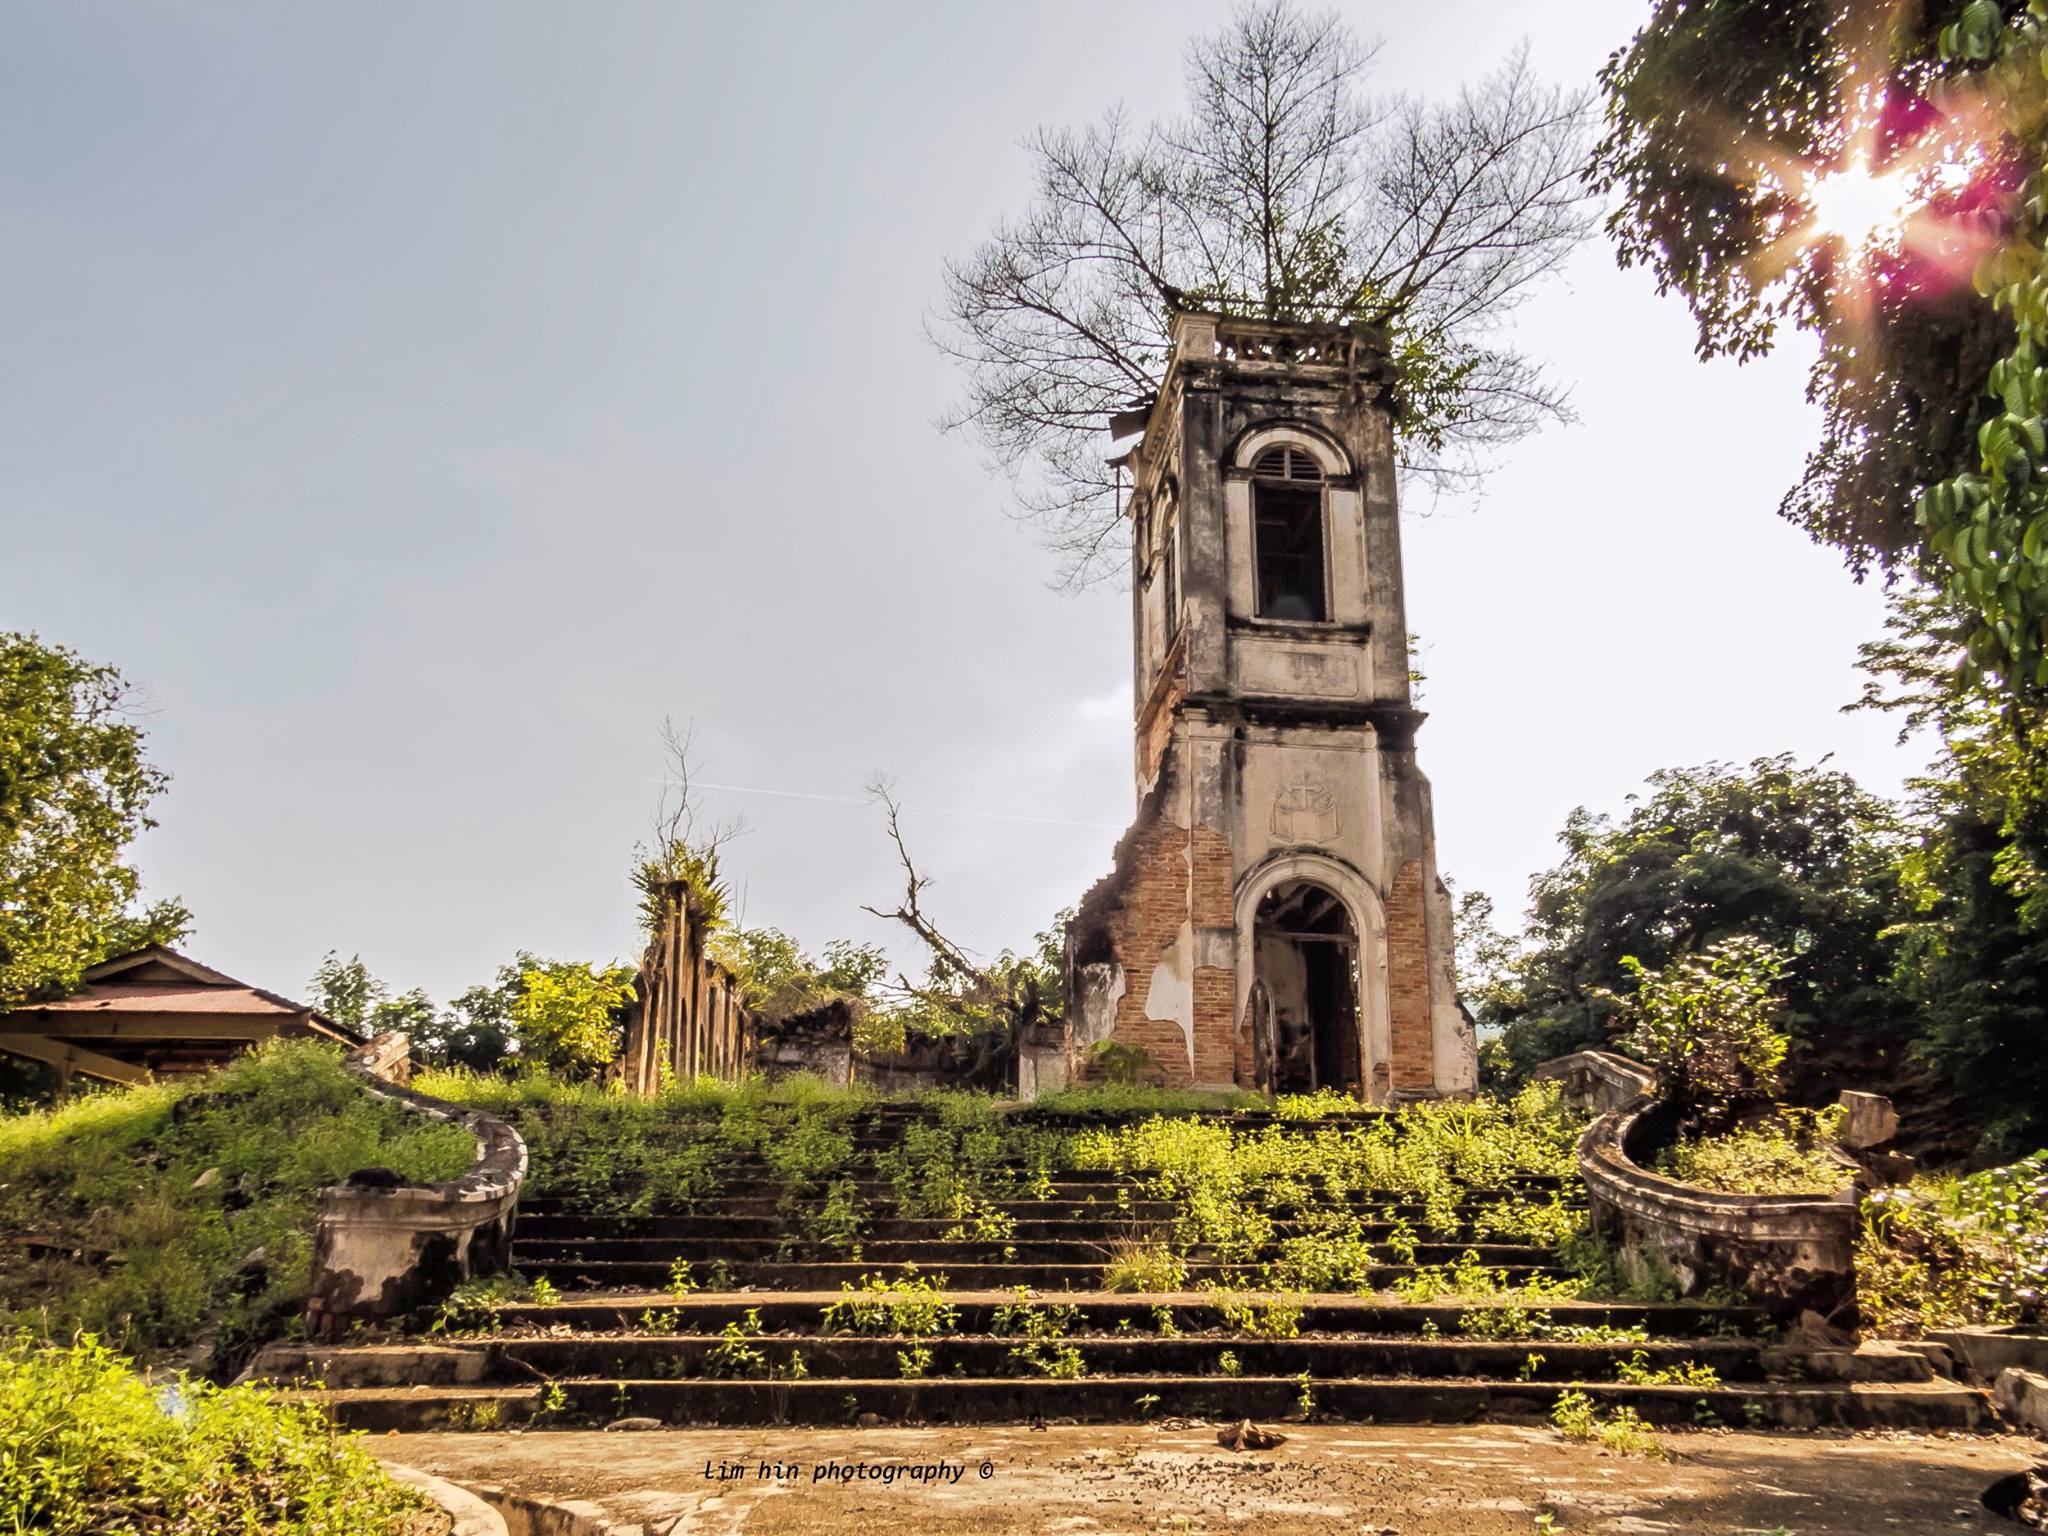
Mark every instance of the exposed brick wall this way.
pixel 1414 1058
pixel 1150 912
pixel 1215 1034
pixel 1213 906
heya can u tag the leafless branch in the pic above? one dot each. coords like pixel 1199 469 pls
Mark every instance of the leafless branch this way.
pixel 910 911
pixel 676 821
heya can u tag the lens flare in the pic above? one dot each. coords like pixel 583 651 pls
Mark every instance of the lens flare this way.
pixel 1860 207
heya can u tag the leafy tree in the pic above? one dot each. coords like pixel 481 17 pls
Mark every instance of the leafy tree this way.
pixel 477 1031
pixel 1800 858
pixel 1973 938
pixel 1708 1023
pixel 75 790
pixel 1286 192
pixel 1986 521
pixel 1489 968
pixel 566 1016
pixel 1725 122
pixel 781 980
pixel 1707 107
pixel 413 1012
pixel 1488 960
pixel 346 992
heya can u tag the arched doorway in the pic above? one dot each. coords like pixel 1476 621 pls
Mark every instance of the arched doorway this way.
pixel 1305 1020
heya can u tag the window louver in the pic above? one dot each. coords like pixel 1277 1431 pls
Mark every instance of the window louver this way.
pixel 1287 464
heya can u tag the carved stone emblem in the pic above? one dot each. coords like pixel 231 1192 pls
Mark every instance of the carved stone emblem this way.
pixel 1304 811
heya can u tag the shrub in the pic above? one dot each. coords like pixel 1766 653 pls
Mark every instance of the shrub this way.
pixel 1958 1252
pixel 1319 1105
pixel 1116 1099
pixel 189 1206
pixel 473 1305
pixel 1042 1348
pixel 616 1155
pixel 92 1447
pixel 1504 1320
pixel 735 1354
pixel 1463 1276
pixel 1340 1260
pixel 1230 1180
pixel 1263 1315
pixel 1708 1023
pixel 567 1014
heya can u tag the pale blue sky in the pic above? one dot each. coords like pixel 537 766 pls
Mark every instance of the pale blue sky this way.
pixel 420 401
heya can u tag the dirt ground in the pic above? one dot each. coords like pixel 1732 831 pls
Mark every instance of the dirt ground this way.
pixel 1357 1479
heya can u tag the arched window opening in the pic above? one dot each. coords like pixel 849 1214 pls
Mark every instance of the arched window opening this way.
pixel 1287 536
pixel 1305 1022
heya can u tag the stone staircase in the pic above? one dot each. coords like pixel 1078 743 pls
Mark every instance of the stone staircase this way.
pixel 1017 1325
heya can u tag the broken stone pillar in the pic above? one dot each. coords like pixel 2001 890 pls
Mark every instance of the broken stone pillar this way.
pixel 1871 1121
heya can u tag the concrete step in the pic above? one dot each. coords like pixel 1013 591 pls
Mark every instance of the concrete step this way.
pixel 1104 1312
pixel 601 1274
pixel 770 1225
pixel 646 1356
pixel 896 1118
pixel 529 1256
pixel 1100 1185
pixel 1132 1399
pixel 1072 1204
pixel 1090 1228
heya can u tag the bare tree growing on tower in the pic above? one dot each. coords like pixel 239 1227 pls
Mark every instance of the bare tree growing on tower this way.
pixel 1285 192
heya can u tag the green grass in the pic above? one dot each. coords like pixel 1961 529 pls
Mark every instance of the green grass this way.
pixel 1114 1100
pixel 176 1211
pixel 87 1446
pixel 1775 1157
pixel 616 1155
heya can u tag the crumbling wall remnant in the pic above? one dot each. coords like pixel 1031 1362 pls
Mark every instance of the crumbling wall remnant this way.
pixel 689 1019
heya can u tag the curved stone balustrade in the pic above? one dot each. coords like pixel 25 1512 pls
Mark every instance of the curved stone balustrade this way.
pixel 1788 1251
pixel 383 1247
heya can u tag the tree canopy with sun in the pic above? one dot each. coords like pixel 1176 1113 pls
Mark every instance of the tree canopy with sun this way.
pixel 1868 171
pixel 1781 162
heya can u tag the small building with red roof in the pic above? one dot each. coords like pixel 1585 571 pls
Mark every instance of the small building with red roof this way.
pixel 155 1013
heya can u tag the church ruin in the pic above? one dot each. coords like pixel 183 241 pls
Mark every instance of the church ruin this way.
pixel 1274 918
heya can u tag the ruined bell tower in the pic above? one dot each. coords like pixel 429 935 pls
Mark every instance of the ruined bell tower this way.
pixel 1274 919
